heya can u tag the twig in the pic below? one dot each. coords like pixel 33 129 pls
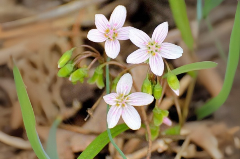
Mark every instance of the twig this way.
pixel 178 109
pixel 14 141
pixel 144 151
pixel 145 120
pixel 90 111
pixel 66 9
pixel 79 129
pixel 188 98
pixel 184 146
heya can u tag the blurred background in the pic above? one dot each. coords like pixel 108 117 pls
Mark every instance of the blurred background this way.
pixel 37 32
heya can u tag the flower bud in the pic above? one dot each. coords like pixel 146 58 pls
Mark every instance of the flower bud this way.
pixel 147 86
pixel 79 74
pixel 114 83
pixel 173 82
pixel 154 131
pixel 159 115
pixel 66 70
pixel 97 78
pixel 157 91
pixel 65 58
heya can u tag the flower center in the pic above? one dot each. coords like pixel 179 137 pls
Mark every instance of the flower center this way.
pixel 111 33
pixel 153 48
pixel 122 100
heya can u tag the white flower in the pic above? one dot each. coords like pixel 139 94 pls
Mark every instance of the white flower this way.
pixel 121 103
pixel 110 31
pixel 153 48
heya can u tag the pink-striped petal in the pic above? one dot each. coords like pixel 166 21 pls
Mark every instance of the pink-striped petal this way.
pixel 113 116
pixel 170 51
pixel 123 33
pixel 110 98
pixel 101 23
pixel 124 84
pixel 112 48
pixel 167 121
pixel 156 64
pixel 131 117
pixel 118 17
pixel 96 36
pixel 139 38
pixel 139 99
pixel 160 32
pixel 138 56
pixel 175 91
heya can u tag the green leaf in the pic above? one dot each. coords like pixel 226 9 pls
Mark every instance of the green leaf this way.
pixel 101 141
pixel 51 141
pixel 173 130
pixel 233 59
pixel 179 12
pixel 209 5
pixel 28 115
pixel 193 67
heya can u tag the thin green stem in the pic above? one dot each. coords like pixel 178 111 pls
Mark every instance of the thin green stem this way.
pixel 108 130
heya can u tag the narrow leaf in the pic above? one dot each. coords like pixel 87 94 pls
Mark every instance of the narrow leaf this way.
pixel 52 142
pixel 101 141
pixel 28 115
pixel 199 10
pixel 175 130
pixel 193 67
pixel 209 5
pixel 233 59
pixel 179 12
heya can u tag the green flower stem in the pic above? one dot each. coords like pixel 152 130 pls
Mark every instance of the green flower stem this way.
pixel 113 63
pixel 129 68
pixel 83 57
pixel 108 130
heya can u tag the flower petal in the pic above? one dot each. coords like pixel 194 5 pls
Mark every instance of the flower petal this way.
pixel 139 99
pixel 113 116
pixel 167 121
pixel 170 51
pixel 124 84
pixel 96 36
pixel 175 91
pixel 123 33
pixel 101 23
pixel 160 32
pixel 110 98
pixel 112 48
pixel 156 64
pixel 118 17
pixel 131 117
pixel 138 56
pixel 139 38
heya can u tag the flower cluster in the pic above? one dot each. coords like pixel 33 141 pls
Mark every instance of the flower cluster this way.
pixel 151 50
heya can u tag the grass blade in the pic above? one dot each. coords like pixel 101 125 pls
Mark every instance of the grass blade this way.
pixel 233 58
pixel 209 5
pixel 28 115
pixel 101 141
pixel 179 12
pixel 193 67
pixel 199 10
pixel 216 41
pixel 52 142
